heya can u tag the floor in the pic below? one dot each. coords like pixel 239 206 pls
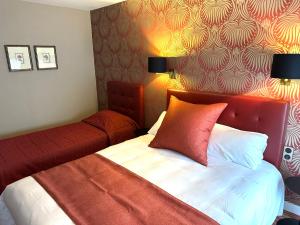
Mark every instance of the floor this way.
pixel 287 215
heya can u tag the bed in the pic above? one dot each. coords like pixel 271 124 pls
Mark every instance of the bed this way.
pixel 28 154
pixel 228 193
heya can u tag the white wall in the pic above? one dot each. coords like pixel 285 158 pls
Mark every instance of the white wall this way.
pixel 40 99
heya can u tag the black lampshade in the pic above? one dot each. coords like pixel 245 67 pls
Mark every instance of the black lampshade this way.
pixel 286 66
pixel 157 64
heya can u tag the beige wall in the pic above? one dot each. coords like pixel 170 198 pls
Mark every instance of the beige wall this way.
pixel 40 99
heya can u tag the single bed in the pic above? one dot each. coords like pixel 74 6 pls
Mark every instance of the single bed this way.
pixel 28 154
pixel 227 192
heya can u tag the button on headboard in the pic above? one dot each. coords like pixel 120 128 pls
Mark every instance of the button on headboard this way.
pixel 128 99
pixel 249 113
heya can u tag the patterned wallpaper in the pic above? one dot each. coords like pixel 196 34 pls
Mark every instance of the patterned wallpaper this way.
pixel 218 45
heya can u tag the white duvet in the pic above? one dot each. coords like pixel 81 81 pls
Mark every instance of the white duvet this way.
pixel 227 192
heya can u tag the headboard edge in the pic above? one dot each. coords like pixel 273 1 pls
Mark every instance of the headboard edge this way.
pixel 128 99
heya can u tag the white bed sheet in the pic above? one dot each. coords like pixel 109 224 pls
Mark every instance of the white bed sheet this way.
pixel 229 193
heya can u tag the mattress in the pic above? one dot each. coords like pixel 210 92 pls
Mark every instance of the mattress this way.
pixel 227 192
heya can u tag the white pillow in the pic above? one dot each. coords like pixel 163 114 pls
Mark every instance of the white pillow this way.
pixel 241 147
pixel 157 124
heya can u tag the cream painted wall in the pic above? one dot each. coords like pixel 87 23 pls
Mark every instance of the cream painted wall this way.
pixel 40 99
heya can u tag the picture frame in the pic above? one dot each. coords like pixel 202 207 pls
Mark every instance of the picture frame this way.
pixel 46 57
pixel 18 58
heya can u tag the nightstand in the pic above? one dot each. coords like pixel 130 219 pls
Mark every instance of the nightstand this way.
pixel 141 132
pixel 293 184
pixel 288 221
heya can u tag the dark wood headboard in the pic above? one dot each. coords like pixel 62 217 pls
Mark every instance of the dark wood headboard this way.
pixel 249 113
pixel 128 99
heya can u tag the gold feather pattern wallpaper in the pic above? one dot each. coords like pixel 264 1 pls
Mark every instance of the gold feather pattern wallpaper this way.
pixel 221 46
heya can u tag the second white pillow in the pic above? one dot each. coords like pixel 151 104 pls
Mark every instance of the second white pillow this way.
pixel 242 147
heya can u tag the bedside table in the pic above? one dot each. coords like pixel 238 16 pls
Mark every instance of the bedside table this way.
pixel 141 132
pixel 293 184
pixel 288 221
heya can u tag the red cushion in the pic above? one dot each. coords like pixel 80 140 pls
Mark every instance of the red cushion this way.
pixel 186 128
pixel 116 125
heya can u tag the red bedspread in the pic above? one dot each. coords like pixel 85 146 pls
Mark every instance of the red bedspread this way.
pixel 94 190
pixel 27 154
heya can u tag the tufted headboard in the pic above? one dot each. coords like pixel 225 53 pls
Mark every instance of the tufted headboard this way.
pixel 249 113
pixel 128 99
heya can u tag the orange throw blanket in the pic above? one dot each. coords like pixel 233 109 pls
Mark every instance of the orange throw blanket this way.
pixel 94 190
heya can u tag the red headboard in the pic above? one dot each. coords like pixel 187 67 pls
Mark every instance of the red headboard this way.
pixel 249 113
pixel 128 99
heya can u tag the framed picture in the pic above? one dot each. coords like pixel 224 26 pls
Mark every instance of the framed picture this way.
pixel 46 58
pixel 18 57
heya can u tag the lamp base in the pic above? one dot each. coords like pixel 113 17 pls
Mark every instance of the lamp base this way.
pixel 286 82
pixel 172 74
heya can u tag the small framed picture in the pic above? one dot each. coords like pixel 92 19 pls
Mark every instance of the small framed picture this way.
pixel 18 57
pixel 46 58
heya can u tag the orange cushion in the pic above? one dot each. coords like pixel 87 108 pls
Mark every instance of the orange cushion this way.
pixel 117 126
pixel 186 128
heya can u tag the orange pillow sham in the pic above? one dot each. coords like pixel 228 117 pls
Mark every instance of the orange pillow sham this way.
pixel 186 128
pixel 117 126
